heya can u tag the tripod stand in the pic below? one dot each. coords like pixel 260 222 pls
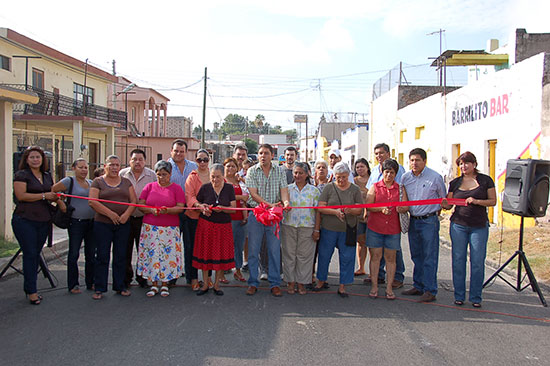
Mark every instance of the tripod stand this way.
pixel 522 259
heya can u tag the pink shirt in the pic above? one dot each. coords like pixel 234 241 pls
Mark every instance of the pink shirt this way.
pixel 192 186
pixel 378 222
pixel 155 195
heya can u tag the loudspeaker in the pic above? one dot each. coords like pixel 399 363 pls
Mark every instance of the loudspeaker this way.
pixel 526 187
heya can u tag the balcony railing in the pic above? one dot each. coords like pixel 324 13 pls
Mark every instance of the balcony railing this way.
pixel 51 104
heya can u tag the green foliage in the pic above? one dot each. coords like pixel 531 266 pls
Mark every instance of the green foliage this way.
pixel 7 248
pixel 233 124
pixel 251 145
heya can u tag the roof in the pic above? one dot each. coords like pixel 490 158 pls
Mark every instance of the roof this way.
pixel 40 48
pixel 470 57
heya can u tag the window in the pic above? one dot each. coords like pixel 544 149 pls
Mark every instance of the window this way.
pixel 418 132
pixel 5 63
pixel 80 92
pixel 37 79
pixel 402 135
pixel 133 115
pixel 400 158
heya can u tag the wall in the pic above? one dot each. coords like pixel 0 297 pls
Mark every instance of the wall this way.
pixel 56 74
pixel 354 144
pixel 382 121
pixel 530 44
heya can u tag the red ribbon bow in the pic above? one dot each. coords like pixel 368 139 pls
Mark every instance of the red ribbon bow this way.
pixel 269 215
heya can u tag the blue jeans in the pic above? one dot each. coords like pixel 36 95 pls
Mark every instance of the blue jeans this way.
pixel 238 241
pixel 477 237
pixel 424 246
pixel 104 235
pixel 346 255
pixel 256 231
pixel 31 236
pixel 188 227
pixel 78 231
pixel 399 267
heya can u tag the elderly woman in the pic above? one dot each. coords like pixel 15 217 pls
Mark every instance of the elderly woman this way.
pixel 111 226
pixel 321 174
pixel 193 184
pixel 238 219
pixel 362 174
pixel 334 223
pixel 384 230
pixel 160 256
pixel 470 227
pixel 213 248
pixel 81 227
pixel 300 231
pixel 31 220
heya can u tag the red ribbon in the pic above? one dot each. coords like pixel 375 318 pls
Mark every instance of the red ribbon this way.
pixel 273 215
pixel 269 215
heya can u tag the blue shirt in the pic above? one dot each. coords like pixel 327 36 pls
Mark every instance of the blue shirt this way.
pixel 427 185
pixel 180 177
pixel 376 175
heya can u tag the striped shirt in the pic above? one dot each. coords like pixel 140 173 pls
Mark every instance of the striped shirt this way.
pixel 180 177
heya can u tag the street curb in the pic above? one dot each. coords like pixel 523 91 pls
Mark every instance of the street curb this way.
pixel 494 265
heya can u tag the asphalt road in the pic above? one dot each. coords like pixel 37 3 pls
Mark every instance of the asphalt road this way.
pixel 318 328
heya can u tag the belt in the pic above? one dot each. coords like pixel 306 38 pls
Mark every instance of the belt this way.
pixel 423 217
pixel 81 220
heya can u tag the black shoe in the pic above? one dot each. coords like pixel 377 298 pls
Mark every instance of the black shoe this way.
pixel 172 282
pixel 245 268
pixel 217 292
pixel 342 294
pixel 142 282
pixel 202 292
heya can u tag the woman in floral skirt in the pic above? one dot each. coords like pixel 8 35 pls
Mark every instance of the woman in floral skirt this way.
pixel 160 256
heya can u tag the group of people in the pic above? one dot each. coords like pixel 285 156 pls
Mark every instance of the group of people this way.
pixel 184 216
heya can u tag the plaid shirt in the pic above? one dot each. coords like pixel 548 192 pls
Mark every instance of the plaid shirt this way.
pixel 269 188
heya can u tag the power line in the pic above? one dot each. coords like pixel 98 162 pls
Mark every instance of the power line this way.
pixel 264 109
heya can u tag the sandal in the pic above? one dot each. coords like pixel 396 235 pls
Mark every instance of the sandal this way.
pixel 476 305
pixel 373 294
pixel 241 278
pixel 390 296
pixel 196 286
pixel 124 293
pixel 97 296
pixel 153 291
pixel 225 281
pixel 291 290
pixel 164 291
pixel 459 302
pixel 359 273
pixel 75 291
pixel 36 301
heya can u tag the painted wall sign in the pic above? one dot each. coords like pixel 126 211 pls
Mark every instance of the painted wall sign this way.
pixel 481 110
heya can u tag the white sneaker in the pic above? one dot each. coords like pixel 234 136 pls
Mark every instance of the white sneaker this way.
pixel 263 277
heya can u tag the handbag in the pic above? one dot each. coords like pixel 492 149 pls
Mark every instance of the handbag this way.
pixel 63 219
pixel 351 231
pixel 403 217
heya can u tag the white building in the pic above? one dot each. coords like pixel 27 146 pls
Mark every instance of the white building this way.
pixel 504 115
pixel 355 144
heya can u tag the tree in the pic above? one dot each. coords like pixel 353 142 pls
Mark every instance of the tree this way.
pixel 259 121
pixel 251 145
pixel 233 124
pixel 291 135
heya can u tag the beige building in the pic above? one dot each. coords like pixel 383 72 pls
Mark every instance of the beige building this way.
pixel 72 117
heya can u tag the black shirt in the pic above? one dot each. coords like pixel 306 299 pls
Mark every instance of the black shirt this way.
pixel 207 195
pixel 471 215
pixel 37 210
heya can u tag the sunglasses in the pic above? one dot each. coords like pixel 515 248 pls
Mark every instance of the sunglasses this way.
pixel 203 160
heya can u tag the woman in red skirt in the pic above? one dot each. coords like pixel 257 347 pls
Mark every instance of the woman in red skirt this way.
pixel 213 249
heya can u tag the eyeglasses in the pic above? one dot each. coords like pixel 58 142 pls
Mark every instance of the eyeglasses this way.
pixel 203 160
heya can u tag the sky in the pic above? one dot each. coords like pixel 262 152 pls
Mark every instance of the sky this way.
pixel 276 58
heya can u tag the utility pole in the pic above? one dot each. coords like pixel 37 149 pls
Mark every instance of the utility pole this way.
pixel 204 110
pixel 439 63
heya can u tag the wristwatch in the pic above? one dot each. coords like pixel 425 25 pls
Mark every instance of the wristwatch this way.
pixel 43 196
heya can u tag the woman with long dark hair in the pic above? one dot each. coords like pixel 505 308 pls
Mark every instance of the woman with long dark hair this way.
pixel 31 220
pixel 361 170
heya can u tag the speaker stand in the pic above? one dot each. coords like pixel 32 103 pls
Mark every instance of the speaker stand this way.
pixel 522 259
pixel 42 267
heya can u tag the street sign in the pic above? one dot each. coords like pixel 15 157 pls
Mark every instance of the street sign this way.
pixel 300 118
